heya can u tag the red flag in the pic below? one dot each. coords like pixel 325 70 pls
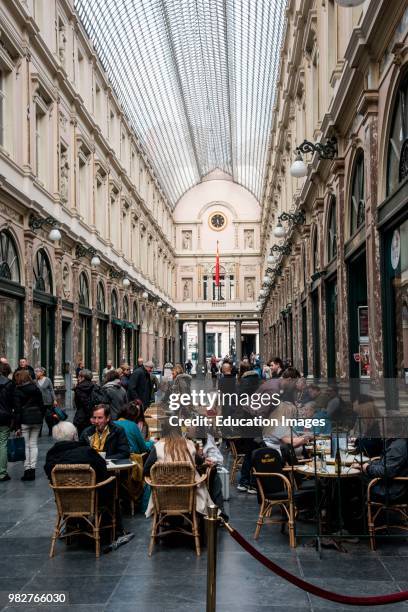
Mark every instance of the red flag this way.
pixel 217 268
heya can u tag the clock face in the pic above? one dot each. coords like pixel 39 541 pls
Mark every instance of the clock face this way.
pixel 217 221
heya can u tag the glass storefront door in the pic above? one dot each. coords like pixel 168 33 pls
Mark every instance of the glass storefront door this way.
pixel 358 324
pixel 42 342
pixel 395 265
pixel 316 333
pixel 331 328
pixel 84 340
pixel 10 329
pixel 100 344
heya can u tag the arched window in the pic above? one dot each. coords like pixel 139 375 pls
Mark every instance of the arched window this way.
pixel 125 309
pixel 100 297
pixel 357 204
pixel 315 253
pixel 332 231
pixel 114 304
pixel 83 290
pixel 135 313
pixel 224 291
pixel 42 272
pixel 9 264
pixel 397 166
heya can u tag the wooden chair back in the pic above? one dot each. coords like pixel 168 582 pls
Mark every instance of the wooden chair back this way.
pixel 267 467
pixel 173 486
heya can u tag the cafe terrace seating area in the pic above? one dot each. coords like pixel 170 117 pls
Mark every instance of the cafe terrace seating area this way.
pixel 174 577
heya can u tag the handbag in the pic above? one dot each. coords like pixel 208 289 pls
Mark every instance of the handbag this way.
pixel 16 449
pixel 60 414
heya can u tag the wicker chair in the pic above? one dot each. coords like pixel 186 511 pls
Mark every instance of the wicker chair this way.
pixel 237 460
pixel 375 508
pixel 274 490
pixel 174 491
pixel 77 497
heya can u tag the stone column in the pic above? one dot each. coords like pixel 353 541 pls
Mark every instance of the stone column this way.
pixel 238 343
pixel 59 381
pixel 75 316
pixel 94 353
pixel 28 302
pixel 177 348
pixel 201 348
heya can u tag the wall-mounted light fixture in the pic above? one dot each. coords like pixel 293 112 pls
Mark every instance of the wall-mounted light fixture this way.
pixel 286 249
pixel 296 218
pixel 37 223
pixel 82 251
pixel 326 150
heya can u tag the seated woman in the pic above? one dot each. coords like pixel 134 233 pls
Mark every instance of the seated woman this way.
pixel 311 411
pixel 367 427
pixel 127 418
pixel 173 447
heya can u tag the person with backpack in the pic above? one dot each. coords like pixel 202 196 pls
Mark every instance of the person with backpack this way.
pixel 86 395
pixel 115 394
pixel 6 416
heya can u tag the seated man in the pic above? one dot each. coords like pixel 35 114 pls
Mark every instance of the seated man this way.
pixel 393 462
pixel 105 436
pixel 67 450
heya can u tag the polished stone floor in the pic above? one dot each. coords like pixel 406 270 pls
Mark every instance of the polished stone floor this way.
pixel 174 578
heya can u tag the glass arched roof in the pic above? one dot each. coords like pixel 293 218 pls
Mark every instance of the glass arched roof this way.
pixel 196 78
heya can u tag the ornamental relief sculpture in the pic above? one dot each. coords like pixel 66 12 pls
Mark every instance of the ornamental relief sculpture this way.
pixel 187 289
pixel 187 236
pixel 249 289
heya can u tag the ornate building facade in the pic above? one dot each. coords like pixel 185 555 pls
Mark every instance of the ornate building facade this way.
pixel 336 300
pixel 70 161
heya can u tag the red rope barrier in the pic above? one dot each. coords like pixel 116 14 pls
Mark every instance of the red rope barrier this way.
pixel 375 600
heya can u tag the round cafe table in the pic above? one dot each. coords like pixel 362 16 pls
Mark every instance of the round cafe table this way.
pixel 308 469
pixel 117 469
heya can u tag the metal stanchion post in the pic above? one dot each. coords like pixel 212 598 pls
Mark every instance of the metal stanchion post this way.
pixel 212 523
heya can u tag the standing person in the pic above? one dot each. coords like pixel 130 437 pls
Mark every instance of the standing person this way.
pixel 276 367
pixel 139 362
pixel 214 371
pixel 115 393
pixel 83 399
pixel 80 366
pixel 6 416
pixel 48 395
pixel 108 368
pixel 23 365
pixel 227 385
pixel 29 415
pixel 125 376
pixel 140 384
pixel 189 366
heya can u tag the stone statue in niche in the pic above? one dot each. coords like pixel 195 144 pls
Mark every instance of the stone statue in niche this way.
pixel 64 174
pixel 250 289
pixel 186 241
pixel 249 239
pixel 187 289
pixel 61 44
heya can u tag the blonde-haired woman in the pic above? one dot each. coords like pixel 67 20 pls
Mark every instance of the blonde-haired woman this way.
pixel 367 428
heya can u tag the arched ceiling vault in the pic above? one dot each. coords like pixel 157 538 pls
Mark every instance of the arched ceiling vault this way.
pixel 196 79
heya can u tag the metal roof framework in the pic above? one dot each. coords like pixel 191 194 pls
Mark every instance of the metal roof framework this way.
pixel 196 79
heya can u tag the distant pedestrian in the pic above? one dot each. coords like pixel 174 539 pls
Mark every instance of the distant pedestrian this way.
pixel 49 397
pixel 140 384
pixel 29 415
pixel 115 394
pixel 23 365
pixel 83 400
pixel 80 366
pixel 109 367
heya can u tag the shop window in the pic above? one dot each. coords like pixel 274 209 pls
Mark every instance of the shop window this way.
pixel 315 254
pixel 83 290
pixel 357 204
pixel 397 167
pixel 125 309
pixel 100 298
pixel 9 264
pixel 42 272
pixel 332 231
pixel 114 304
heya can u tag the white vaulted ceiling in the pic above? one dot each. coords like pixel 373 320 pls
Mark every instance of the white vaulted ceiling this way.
pixel 196 78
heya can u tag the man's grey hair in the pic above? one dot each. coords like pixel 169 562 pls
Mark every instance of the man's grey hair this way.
pixel 64 431
pixel 87 374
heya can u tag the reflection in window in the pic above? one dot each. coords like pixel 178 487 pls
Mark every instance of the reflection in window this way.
pixel 315 254
pixel 332 231
pixel 9 264
pixel 10 329
pixel 357 216
pixel 83 290
pixel 114 304
pixel 397 169
pixel 42 272
pixel 100 297
pixel 125 309
pixel 224 291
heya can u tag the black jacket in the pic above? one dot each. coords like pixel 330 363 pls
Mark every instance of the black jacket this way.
pixel 29 369
pixel 394 462
pixel 68 453
pixel 116 446
pixel 140 386
pixel 29 405
pixel 82 396
pixel 228 385
pixel 6 401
